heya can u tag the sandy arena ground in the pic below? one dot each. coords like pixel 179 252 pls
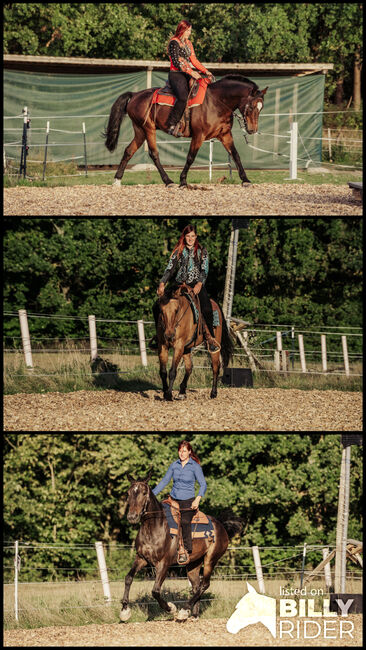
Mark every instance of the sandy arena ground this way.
pixel 207 200
pixel 234 409
pixel 192 633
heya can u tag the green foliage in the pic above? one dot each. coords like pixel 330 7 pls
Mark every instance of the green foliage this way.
pixel 71 489
pixel 222 32
pixel 300 271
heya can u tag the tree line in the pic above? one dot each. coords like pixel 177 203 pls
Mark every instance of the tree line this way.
pixel 290 32
pixel 305 272
pixel 71 489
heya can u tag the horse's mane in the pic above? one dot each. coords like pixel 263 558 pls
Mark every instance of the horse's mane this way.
pixel 238 77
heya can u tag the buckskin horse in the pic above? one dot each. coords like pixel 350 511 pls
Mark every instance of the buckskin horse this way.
pixel 177 329
pixel 154 545
pixel 212 119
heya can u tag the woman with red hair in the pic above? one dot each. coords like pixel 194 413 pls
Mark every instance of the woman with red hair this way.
pixel 189 264
pixel 185 472
pixel 183 66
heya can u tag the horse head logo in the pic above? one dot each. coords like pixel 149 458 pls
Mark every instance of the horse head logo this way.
pixel 253 608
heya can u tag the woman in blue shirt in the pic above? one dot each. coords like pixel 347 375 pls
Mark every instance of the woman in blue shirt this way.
pixel 185 472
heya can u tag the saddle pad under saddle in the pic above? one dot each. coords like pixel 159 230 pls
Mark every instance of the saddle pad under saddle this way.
pixel 169 100
pixel 201 524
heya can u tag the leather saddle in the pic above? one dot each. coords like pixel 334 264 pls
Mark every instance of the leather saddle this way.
pixel 197 91
pixel 199 517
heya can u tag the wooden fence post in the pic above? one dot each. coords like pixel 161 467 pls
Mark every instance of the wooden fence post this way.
pixel 345 355
pixel 323 339
pixel 93 337
pixel 25 337
pixel 141 331
pixel 302 353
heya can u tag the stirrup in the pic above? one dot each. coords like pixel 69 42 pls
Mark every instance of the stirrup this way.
pixel 183 557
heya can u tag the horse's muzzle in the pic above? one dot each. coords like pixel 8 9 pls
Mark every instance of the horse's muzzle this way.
pixel 133 517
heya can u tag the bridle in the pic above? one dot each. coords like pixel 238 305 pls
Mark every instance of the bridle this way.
pixel 242 119
pixel 179 320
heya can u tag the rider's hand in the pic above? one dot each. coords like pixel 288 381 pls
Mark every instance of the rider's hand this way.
pixel 196 75
pixel 197 288
pixel 195 503
pixel 160 290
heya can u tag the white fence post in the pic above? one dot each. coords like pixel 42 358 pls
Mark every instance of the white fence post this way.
pixel 103 572
pixel 345 355
pixel 210 159
pixel 16 565
pixel 293 151
pixel 327 573
pixel 25 337
pixel 141 331
pixel 93 337
pixel 258 569
pixel 302 353
pixel 324 352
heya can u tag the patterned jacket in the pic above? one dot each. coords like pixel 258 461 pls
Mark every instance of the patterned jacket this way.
pixel 187 268
pixel 182 57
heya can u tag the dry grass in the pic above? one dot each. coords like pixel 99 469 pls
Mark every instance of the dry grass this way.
pixel 107 200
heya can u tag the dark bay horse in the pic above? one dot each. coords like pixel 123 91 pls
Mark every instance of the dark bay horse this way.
pixel 155 546
pixel 177 330
pixel 212 119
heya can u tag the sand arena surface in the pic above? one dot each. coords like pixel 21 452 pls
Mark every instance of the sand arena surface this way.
pixel 209 632
pixel 234 409
pixel 141 200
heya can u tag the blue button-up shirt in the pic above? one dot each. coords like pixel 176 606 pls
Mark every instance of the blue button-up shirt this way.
pixel 184 479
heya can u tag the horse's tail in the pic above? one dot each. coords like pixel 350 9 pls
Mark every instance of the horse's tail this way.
pixel 227 345
pixel 118 112
pixel 232 524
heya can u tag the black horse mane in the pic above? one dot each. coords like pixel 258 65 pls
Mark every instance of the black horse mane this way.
pixel 239 77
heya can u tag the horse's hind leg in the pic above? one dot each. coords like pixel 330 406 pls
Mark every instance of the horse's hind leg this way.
pixel 194 578
pixel 188 366
pixel 154 155
pixel 138 564
pixel 129 152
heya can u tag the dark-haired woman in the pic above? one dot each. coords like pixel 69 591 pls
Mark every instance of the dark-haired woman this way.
pixel 185 472
pixel 183 66
pixel 189 264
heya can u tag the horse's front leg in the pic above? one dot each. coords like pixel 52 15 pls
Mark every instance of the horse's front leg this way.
pixel 195 146
pixel 163 360
pixel 188 366
pixel 138 564
pixel 178 353
pixel 228 142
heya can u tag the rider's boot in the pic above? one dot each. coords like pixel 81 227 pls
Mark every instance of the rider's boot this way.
pixel 212 344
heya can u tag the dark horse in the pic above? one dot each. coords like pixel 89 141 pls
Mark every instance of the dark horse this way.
pixel 212 119
pixel 155 546
pixel 176 329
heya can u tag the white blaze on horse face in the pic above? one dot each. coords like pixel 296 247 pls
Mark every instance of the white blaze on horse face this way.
pixel 259 106
pixel 253 608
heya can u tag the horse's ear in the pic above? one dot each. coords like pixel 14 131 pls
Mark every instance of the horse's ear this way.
pixel 148 477
pixel 263 92
pixel 130 478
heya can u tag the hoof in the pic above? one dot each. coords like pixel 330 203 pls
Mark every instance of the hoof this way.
pixel 213 395
pixel 117 182
pixel 183 614
pixel 168 397
pixel 246 183
pixel 170 185
pixel 173 609
pixel 125 614
pixel 183 187
pixel 182 396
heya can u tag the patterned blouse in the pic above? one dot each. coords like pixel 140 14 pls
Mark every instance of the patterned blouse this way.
pixel 183 58
pixel 187 268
